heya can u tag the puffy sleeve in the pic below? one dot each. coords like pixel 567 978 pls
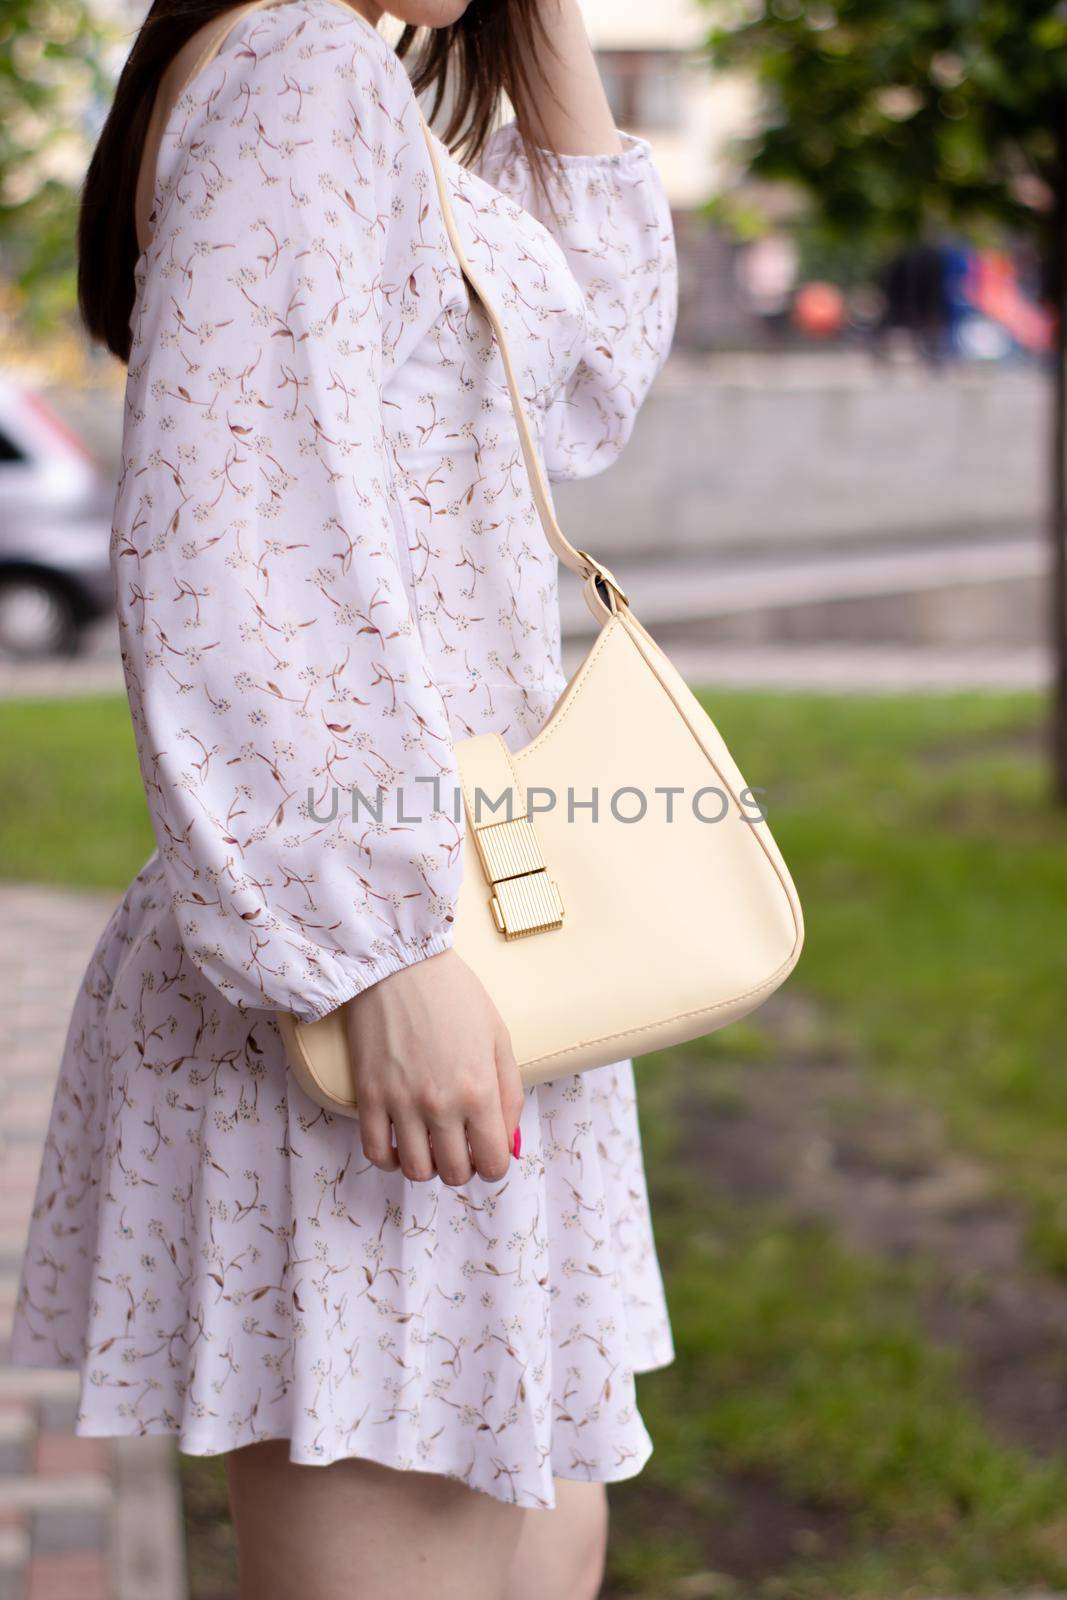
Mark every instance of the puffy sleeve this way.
pixel 611 217
pixel 273 662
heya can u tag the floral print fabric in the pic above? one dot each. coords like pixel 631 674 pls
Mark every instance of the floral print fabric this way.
pixel 328 569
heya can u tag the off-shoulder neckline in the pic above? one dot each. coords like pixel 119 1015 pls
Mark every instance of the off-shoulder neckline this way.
pixel 261 6
pixel 254 10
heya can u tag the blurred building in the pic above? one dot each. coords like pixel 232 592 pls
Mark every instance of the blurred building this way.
pixel 661 85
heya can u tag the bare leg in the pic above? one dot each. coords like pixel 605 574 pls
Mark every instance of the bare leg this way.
pixel 357 1531
pixel 561 1552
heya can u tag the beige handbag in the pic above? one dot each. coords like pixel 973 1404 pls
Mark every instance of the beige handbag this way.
pixel 600 937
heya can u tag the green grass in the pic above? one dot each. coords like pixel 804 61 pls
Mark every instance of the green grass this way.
pixel 933 873
pixel 806 1367
pixel 72 810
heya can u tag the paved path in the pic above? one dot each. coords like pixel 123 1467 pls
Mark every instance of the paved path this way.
pixel 80 1519
pixel 686 587
pixel 687 591
pixel 855 669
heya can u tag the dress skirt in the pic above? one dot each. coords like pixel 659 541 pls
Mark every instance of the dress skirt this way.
pixel 219 1259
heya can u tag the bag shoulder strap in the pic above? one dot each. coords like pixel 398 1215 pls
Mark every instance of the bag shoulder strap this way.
pixel 177 77
pixel 577 560
pixel 581 562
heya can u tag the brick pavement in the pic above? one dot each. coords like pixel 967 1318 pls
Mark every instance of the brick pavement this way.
pixel 80 1519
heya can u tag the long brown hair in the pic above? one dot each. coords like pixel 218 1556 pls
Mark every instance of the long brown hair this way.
pixel 468 66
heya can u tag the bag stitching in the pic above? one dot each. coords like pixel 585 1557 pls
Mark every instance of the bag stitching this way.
pixel 776 976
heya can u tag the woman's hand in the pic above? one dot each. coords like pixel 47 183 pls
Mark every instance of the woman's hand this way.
pixel 431 1054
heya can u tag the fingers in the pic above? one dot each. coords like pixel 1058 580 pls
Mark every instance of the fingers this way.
pixel 476 1136
pixel 491 1130
pixel 413 1144
pixel 448 1143
pixel 512 1093
pixel 376 1134
pixel 413 1152
pixel 489 1141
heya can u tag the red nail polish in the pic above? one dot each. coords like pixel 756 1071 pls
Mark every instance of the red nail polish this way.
pixel 516 1143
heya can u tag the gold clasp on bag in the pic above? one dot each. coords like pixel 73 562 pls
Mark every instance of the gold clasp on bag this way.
pixel 524 898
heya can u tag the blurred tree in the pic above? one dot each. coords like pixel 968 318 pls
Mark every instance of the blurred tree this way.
pixel 52 83
pixel 901 115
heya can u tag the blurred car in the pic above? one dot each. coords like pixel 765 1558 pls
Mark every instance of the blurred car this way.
pixel 55 530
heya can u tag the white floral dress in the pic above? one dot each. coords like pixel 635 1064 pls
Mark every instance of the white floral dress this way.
pixel 328 568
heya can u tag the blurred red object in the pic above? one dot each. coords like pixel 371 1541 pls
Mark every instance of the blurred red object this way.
pixel 993 288
pixel 819 310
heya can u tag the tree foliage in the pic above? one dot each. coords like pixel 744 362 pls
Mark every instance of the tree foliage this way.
pixel 53 84
pixel 893 114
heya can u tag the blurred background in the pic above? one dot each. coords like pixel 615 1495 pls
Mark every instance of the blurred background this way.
pixel 842 513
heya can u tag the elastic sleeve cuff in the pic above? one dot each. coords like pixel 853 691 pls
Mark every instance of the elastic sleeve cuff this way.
pixel 353 979
pixel 634 150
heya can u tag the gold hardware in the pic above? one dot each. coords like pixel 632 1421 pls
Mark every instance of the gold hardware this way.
pixel 530 904
pixel 524 899
pixel 508 848
pixel 605 574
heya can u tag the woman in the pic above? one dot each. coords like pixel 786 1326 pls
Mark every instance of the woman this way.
pixel 328 568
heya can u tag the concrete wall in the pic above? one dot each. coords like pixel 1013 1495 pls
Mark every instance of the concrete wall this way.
pixel 736 452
